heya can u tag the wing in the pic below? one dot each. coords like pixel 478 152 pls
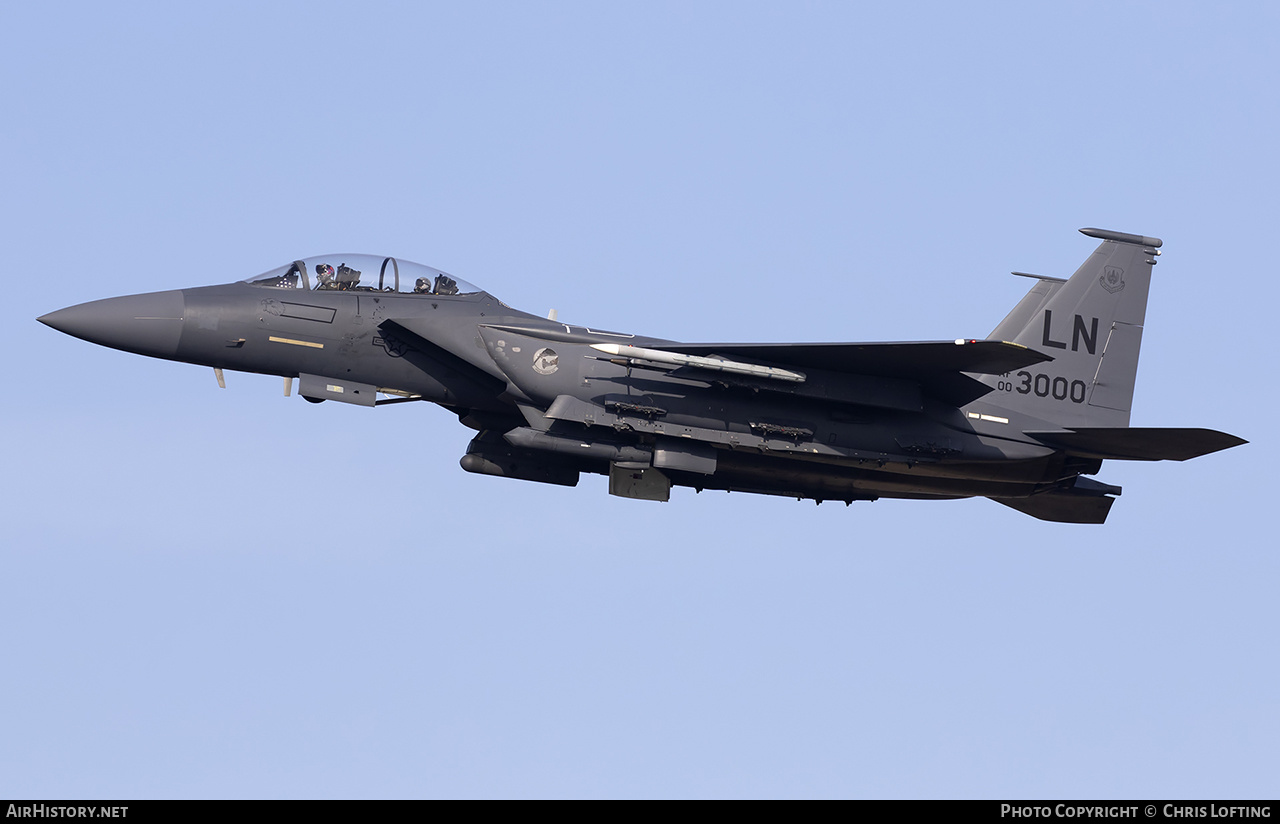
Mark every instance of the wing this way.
pixel 937 366
pixel 890 360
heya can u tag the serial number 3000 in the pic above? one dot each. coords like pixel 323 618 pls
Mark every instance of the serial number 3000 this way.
pixel 1044 386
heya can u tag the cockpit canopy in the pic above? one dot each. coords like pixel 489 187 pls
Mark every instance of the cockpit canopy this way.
pixel 362 273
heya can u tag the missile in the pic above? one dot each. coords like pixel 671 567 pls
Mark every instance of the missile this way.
pixel 755 370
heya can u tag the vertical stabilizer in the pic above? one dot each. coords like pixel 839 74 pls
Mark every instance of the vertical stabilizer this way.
pixel 1027 308
pixel 1092 326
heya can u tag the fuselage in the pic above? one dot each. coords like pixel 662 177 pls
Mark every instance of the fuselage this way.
pixel 491 364
pixel 1021 416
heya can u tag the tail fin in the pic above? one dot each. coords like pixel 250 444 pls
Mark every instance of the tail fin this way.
pixel 1092 326
pixel 1027 308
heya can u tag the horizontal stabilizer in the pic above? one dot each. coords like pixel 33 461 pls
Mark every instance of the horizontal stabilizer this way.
pixel 1063 508
pixel 1138 444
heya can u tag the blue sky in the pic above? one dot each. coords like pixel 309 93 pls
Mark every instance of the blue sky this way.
pixel 235 594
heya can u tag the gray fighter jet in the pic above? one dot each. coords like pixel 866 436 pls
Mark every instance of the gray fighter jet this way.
pixel 1023 417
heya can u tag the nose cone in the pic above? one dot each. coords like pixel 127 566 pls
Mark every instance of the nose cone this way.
pixel 149 324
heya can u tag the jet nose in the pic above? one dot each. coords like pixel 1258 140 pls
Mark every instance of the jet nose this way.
pixel 149 324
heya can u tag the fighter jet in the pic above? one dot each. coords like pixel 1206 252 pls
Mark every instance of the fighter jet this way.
pixel 1025 416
